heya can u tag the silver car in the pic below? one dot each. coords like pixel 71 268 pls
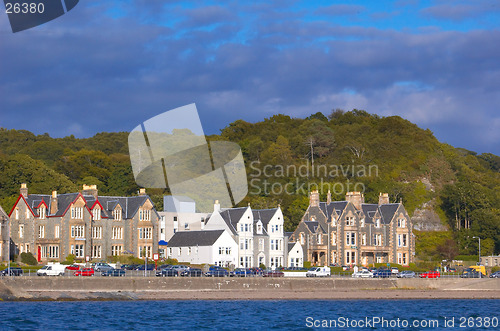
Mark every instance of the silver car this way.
pixel 406 274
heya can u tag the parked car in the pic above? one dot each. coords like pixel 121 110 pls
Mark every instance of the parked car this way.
pixel 12 271
pixel 52 270
pixel 73 267
pixel 217 271
pixel 180 268
pixel 242 272
pixel 430 274
pixel 168 272
pixel 406 274
pixel 496 274
pixel 273 273
pixel 318 272
pixel 147 267
pixel 102 266
pixel 84 272
pixel 114 273
pixel 192 272
pixel 394 270
pixel 365 273
pixel 345 267
pixel 472 274
pixel 382 273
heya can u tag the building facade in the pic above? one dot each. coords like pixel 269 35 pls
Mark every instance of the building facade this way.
pixel 352 232
pixel 215 247
pixel 84 224
pixel 4 235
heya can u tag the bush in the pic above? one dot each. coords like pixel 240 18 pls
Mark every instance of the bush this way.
pixel 70 259
pixel 262 266
pixel 28 258
pixel 307 264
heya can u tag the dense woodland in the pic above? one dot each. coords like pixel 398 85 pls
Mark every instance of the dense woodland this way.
pixel 347 150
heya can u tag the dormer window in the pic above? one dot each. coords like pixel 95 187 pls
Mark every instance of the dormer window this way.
pixel 313 219
pixel 259 228
pixel 117 214
pixel 77 213
pixel 144 215
pixel 377 223
pixel 401 223
pixel 96 214
pixel 41 212
pixel 349 221
pixel 362 222
pixel 334 221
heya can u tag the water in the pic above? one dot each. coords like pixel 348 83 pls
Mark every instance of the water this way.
pixel 251 315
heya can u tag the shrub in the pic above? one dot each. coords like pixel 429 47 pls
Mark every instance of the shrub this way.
pixel 262 266
pixel 307 264
pixel 70 259
pixel 28 258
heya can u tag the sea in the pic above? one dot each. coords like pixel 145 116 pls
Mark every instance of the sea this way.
pixel 252 315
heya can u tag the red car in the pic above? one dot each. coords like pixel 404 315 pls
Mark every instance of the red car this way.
pixel 73 267
pixel 273 273
pixel 84 272
pixel 430 274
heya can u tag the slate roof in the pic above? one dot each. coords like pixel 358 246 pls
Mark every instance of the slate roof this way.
pixel 313 226
pixel 195 238
pixel 369 209
pixel 387 211
pixel 231 216
pixel 3 214
pixel 264 215
pixel 290 246
pixel 129 205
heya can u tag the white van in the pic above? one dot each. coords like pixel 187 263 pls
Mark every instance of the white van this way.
pixel 52 270
pixel 318 272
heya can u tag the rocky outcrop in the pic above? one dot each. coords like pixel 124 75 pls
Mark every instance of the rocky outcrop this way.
pixel 426 219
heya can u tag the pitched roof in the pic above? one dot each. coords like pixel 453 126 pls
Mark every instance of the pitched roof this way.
pixel 369 209
pixel 290 246
pixel 313 226
pixel 3 214
pixel 264 215
pixel 232 216
pixel 195 238
pixel 387 211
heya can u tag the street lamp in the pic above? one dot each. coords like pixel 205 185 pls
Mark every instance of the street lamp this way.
pixel 479 248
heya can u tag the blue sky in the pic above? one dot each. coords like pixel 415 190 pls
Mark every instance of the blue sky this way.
pixel 110 65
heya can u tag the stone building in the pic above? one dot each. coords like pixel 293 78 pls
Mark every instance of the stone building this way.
pixel 352 232
pixel 84 224
pixel 4 235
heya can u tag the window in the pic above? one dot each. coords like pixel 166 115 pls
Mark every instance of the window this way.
pixel 116 250
pixel 405 243
pixel 228 250
pixel 77 250
pixel 350 257
pixel 145 233
pixel 145 215
pixel 350 238
pixel 96 214
pixel 242 244
pixel 77 213
pixel 41 212
pixel 27 213
pixel 97 232
pixel 334 221
pixel 51 252
pixel 21 230
pixel 117 214
pixel 401 223
pixel 363 239
pixel 96 251
pixel 170 251
pixel 319 238
pixel 259 228
pixel 117 232
pixel 16 214
pixel 301 238
pixel 56 231
pixel 333 238
pixel 41 231
pixel 377 223
pixel 404 258
pixel 377 239
pixel 78 231
pixel 334 257
pixel 378 258
pixel 362 222
pixel 146 251
pixel 349 221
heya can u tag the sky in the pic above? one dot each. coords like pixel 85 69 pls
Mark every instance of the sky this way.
pixel 110 65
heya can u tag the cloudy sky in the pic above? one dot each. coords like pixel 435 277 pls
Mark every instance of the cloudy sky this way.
pixel 109 65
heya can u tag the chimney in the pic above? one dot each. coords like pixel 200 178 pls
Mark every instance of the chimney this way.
pixel 216 206
pixel 90 190
pixel 329 197
pixel 314 199
pixel 53 203
pixel 24 190
pixel 383 198
pixel 356 198
pixel 142 191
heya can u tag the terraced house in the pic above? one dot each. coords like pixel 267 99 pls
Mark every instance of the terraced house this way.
pixel 85 224
pixel 352 232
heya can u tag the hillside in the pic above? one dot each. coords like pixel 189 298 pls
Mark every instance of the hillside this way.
pixel 444 187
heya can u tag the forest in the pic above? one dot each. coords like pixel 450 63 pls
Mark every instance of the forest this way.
pixel 287 157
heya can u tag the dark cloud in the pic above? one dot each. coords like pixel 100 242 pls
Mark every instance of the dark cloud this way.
pixel 100 68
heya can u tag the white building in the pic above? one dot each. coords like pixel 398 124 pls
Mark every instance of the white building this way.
pixel 295 257
pixel 215 247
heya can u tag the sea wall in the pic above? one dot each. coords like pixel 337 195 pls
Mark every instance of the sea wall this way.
pixel 134 287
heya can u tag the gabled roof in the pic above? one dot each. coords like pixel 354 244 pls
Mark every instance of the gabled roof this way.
pixel 290 246
pixel 35 200
pixel 313 226
pixel 387 211
pixel 369 209
pixel 337 206
pixel 264 215
pixel 195 238
pixel 232 216
pixel 3 214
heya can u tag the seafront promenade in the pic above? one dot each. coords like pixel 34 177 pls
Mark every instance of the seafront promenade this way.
pixel 252 288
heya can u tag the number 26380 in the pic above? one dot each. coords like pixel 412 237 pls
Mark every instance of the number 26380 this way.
pixel 24 8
